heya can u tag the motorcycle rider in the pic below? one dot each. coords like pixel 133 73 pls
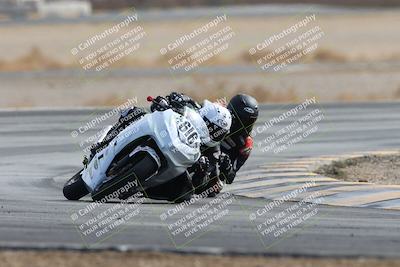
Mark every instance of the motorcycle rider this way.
pixel 218 121
pixel 220 162
pixel 237 146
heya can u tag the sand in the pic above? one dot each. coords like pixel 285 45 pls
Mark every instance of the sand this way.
pixel 345 35
pixel 372 169
pixel 142 259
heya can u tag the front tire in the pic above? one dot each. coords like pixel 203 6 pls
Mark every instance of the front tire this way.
pixel 141 170
pixel 75 188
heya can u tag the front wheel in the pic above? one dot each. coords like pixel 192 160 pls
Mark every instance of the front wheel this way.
pixel 75 188
pixel 135 173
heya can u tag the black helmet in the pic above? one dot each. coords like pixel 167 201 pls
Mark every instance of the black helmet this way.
pixel 244 109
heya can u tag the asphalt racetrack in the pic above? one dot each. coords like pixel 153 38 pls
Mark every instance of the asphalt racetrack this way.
pixel 38 154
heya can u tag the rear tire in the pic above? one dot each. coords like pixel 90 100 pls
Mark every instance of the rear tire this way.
pixel 75 188
pixel 142 170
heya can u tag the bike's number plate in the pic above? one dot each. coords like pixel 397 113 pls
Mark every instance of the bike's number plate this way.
pixel 187 133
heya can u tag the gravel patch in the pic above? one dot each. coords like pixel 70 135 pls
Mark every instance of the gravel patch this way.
pixel 372 169
pixel 142 259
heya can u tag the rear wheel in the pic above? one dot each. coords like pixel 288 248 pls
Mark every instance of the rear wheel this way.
pixel 75 188
pixel 134 174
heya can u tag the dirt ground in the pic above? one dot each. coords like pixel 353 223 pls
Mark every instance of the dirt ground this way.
pixel 372 169
pixel 114 259
pixel 346 36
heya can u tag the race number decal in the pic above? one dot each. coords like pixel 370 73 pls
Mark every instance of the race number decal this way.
pixel 187 133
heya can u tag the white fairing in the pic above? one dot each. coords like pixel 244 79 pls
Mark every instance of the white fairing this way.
pixel 104 133
pixel 177 137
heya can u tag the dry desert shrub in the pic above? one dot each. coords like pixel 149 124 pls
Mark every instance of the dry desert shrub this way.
pixel 223 90
pixel 319 55
pixel 276 96
pixel 177 56
pixel 33 60
pixel 106 101
pixel 396 93
pixel 346 97
pixel 245 56
pixel 326 55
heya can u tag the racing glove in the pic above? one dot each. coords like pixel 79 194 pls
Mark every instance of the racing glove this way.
pixel 178 102
pixel 225 164
pixel 160 104
pixel 226 169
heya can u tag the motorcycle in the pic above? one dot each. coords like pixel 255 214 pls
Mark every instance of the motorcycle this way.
pixel 151 151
